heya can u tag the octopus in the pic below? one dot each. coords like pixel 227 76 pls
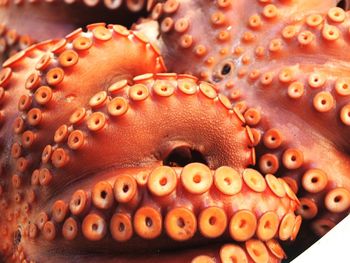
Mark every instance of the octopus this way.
pixel 177 130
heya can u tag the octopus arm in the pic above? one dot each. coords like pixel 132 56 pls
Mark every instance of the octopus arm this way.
pixel 184 23
pixel 281 64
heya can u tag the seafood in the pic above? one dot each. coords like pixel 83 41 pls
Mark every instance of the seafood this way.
pixel 200 131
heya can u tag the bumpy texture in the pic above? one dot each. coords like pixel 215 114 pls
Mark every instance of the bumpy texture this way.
pixel 131 192
pixel 280 64
pixel 11 42
pixel 52 19
pixel 104 156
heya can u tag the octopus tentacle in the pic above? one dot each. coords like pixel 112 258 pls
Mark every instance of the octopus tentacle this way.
pixel 310 175
pixel 228 29
pixel 102 195
pixel 269 251
pixel 251 251
pixel 26 18
pixel 134 6
pixel 118 105
pixel 308 171
pixel 11 42
pixel 160 217
pixel 327 88
pixel 104 110
pixel 252 64
pixel 44 84
pixel 141 158
pixel 241 57
pixel 298 83
pixel 34 83
pixel 323 188
pixel 12 88
pixel 45 160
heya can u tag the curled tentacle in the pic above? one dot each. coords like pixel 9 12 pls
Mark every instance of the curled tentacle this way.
pixel 151 94
pixel 44 84
pixel 126 195
pixel 39 83
pixel 283 53
pixel 92 208
pixel 127 180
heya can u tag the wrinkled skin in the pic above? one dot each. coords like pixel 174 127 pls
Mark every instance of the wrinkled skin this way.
pixel 162 120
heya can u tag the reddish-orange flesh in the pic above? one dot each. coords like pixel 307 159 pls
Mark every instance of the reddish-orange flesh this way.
pixel 165 157
pixel 281 65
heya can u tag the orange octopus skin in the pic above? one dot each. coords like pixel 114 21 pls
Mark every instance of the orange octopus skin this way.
pixel 39 84
pixel 285 53
pixel 39 20
pixel 65 189
pixel 316 82
pixel 11 42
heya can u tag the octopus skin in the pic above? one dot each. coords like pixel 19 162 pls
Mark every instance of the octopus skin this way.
pixel 25 22
pixel 66 190
pixel 321 186
pixel 62 17
pixel 11 42
pixel 306 138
